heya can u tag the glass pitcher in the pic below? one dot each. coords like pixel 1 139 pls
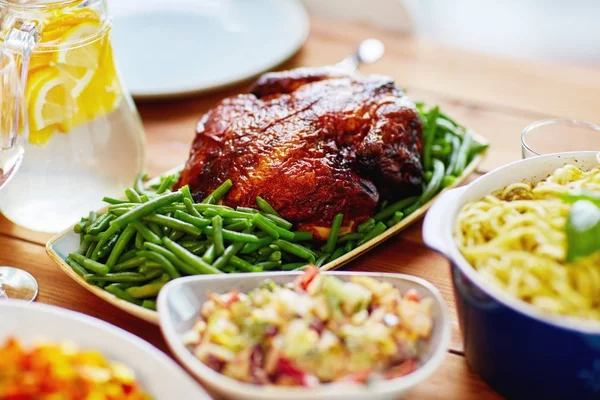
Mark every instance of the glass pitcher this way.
pixel 82 135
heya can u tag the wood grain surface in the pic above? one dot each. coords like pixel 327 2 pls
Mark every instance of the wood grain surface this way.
pixel 494 96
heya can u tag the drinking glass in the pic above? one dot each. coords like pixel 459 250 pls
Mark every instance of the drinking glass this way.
pixel 559 135
pixel 66 114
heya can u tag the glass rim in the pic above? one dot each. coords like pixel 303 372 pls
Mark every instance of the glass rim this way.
pixel 39 6
pixel 553 121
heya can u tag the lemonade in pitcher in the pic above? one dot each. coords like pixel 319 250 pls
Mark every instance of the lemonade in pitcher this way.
pixel 82 136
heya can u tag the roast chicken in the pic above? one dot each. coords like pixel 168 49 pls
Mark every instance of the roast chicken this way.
pixel 313 142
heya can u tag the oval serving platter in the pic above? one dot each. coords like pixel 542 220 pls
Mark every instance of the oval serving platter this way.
pixel 59 247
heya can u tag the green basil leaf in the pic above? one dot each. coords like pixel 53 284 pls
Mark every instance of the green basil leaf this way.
pixel 583 230
pixel 572 197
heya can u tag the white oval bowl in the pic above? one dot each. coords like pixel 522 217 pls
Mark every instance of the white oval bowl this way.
pixel 158 374
pixel 179 303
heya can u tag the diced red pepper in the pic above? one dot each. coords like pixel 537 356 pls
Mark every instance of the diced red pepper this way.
pixel 412 295
pixel 307 277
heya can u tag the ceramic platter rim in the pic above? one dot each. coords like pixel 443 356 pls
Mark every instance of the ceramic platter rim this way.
pixel 152 316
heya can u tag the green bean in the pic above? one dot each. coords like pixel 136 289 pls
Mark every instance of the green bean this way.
pixel 454 155
pixel 176 235
pixel 106 249
pixel 156 229
pixel 80 226
pixel 209 200
pixel 230 251
pixel 217 234
pixel 397 206
pixel 93 238
pixel 440 151
pixel 238 226
pixel 268 265
pixel 198 249
pixel 198 222
pixel 252 247
pixel 447 180
pixel 149 304
pixel 79 270
pixel 428 175
pixel 295 249
pixel 265 206
pixel 434 185
pixel 271 228
pixel 233 236
pixel 139 184
pixel 118 292
pixel 378 229
pixel 475 149
pixel 84 246
pixel 334 233
pixel 428 136
pixel 144 209
pixel 275 256
pixel 139 241
pixel 91 250
pixel 110 200
pixel 132 196
pixel 129 264
pixel 209 255
pixel 350 236
pixel 173 223
pixel 366 226
pixel 101 224
pixel 146 233
pixel 302 236
pixel 149 266
pixel 242 264
pixel 131 277
pixel 187 194
pixel 120 246
pixel 196 262
pixel 350 244
pixel 182 266
pixel 162 260
pixel 221 191
pixel 337 253
pixel 267 250
pixel 225 213
pixel 292 266
pixel 322 260
pixel 285 224
pixel 189 205
pixel 463 154
pixel 89 264
pixel 127 255
pixel 165 184
pixel 117 212
pixel 398 215
pixel 247 210
pixel 148 290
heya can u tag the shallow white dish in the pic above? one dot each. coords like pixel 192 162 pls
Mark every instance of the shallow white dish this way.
pixel 182 47
pixel 157 373
pixel 180 300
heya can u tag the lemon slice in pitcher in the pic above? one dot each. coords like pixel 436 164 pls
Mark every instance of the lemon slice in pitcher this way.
pixel 50 106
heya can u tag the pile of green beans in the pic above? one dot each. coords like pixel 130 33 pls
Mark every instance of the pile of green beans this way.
pixel 158 234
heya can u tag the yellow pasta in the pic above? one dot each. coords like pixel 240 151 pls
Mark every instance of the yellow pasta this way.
pixel 516 239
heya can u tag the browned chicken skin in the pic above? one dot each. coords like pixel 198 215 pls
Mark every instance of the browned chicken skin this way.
pixel 313 142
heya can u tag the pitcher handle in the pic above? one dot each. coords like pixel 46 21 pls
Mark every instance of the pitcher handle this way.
pixel 16 53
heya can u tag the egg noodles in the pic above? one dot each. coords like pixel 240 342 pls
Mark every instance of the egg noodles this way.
pixel 516 239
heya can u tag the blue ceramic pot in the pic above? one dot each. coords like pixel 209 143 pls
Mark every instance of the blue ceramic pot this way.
pixel 520 351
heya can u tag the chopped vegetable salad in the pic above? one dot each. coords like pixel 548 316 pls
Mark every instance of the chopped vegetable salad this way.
pixel 318 329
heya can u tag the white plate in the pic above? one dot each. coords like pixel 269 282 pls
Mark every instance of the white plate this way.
pixel 157 373
pixel 179 304
pixel 168 48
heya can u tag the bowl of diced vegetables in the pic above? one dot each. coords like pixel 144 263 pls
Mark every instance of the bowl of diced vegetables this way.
pixel 306 335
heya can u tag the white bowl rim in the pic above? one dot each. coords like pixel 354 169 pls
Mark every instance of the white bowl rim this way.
pixel 231 385
pixel 570 323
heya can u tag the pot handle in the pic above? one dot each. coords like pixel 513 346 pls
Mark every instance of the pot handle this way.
pixel 436 221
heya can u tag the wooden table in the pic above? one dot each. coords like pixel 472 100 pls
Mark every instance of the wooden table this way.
pixel 496 97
